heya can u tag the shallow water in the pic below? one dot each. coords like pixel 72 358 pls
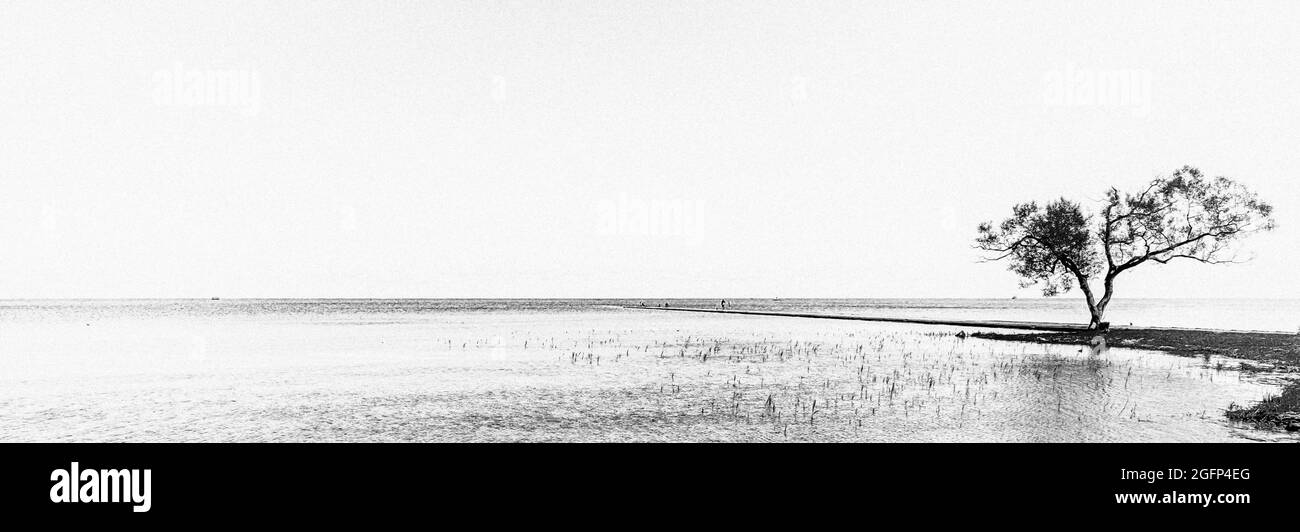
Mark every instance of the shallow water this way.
pixel 572 371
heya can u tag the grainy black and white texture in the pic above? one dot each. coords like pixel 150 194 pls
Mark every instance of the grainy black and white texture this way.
pixel 449 221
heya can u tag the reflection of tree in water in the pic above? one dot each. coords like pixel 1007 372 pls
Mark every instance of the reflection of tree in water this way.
pixel 1056 395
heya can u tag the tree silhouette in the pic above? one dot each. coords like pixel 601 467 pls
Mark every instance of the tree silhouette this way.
pixel 1182 216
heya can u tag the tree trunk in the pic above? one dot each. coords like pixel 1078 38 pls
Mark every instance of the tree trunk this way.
pixel 1098 309
pixel 1097 313
pixel 1094 309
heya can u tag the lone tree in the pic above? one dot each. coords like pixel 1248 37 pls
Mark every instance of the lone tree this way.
pixel 1182 216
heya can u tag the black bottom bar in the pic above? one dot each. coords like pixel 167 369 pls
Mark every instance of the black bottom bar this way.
pixel 657 483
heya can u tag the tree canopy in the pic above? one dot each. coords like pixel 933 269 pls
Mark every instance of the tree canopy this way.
pixel 1184 215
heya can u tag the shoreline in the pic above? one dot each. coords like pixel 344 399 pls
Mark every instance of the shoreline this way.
pixel 994 324
pixel 982 324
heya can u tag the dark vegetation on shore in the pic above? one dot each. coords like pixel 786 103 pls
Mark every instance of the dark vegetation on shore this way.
pixel 1272 352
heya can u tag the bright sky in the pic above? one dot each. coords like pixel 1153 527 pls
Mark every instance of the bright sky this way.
pixel 615 149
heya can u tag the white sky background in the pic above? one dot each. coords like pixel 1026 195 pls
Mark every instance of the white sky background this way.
pixel 507 149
